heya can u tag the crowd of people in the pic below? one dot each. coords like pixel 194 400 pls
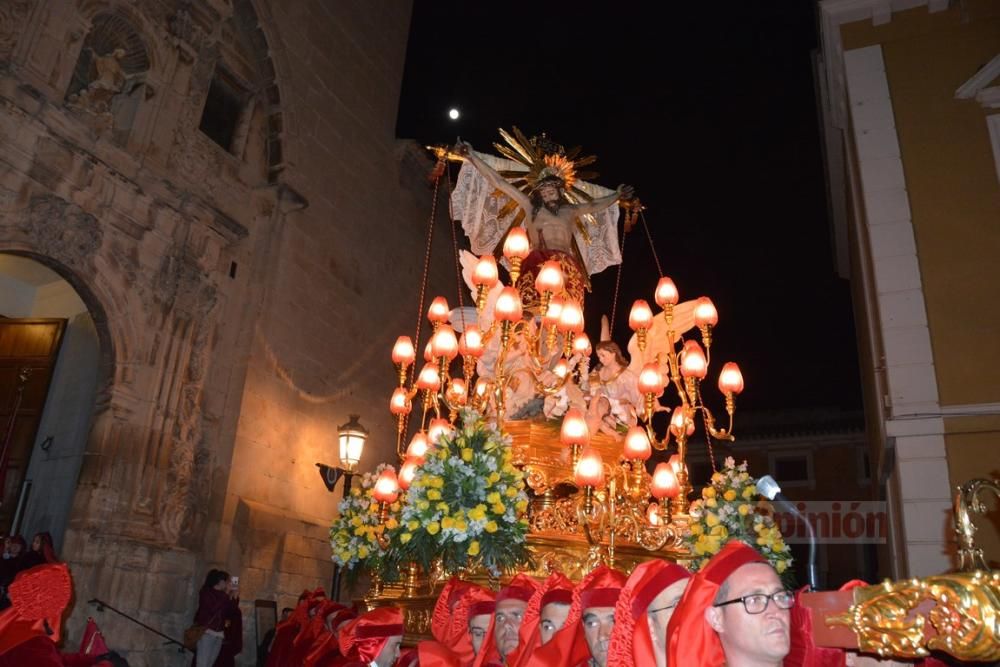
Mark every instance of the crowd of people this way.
pixel 735 611
pixel 17 557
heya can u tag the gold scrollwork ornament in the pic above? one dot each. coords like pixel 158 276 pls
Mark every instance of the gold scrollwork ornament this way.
pixel 964 619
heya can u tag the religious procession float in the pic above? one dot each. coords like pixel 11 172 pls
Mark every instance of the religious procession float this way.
pixel 519 453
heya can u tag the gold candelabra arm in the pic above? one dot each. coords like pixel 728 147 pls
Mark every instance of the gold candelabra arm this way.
pixel 591 515
pixel 966 502
pixel 444 153
pixel 718 434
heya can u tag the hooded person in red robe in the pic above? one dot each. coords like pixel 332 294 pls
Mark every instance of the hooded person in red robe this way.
pixel 32 626
pixel 285 632
pixel 460 605
pixel 693 633
pixel 306 640
pixel 545 614
pixel 373 638
pixel 502 637
pixel 326 648
pixel 594 598
pixel 644 607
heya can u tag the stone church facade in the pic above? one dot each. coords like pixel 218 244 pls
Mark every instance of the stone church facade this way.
pixel 220 182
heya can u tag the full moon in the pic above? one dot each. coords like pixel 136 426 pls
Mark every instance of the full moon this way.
pixel 453 113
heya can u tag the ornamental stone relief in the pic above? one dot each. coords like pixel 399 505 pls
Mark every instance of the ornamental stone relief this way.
pixel 13 15
pixel 63 231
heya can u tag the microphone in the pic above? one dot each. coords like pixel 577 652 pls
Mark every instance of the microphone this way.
pixel 768 487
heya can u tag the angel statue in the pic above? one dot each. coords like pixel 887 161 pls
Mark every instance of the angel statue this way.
pixel 614 391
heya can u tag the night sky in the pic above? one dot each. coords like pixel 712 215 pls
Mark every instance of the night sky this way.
pixel 711 115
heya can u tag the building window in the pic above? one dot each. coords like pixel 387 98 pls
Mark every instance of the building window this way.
pixel 226 117
pixel 792 469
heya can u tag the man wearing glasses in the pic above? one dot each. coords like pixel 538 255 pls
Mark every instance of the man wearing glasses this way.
pixel 734 612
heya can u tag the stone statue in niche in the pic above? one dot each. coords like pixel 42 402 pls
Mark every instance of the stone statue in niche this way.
pixel 109 80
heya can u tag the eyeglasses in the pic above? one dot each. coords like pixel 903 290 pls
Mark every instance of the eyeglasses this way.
pixel 757 603
pixel 666 608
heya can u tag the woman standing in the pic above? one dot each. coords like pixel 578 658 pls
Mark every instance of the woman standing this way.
pixel 42 551
pixel 217 602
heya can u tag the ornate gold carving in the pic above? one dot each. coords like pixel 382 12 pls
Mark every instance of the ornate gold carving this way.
pixel 967 501
pixel 417 620
pixel 964 619
pixel 560 517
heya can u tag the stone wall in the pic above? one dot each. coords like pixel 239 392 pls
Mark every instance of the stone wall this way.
pixel 245 291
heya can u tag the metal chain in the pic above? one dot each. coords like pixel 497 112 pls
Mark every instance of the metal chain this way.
pixel 618 283
pixel 711 453
pixel 423 282
pixel 652 248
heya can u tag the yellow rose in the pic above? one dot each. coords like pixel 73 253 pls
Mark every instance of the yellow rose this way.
pixel 413 524
pixel 437 483
pixel 511 491
pixel 491 527
pixel 493 478
pixel 749 491
pixel 478 513
pixel 373 508
pixel 466 454
pixel 781 566
pixel 521 505
pixel 493 498
pixel 391 523
pixel 473 548
pixel 498 508
pixel 423 505
pixel 433 528
pixel 442 507
pixel 711 502
pixel 711 519
pixel 405 537
pixel 433 494
pixel 696 529
pixel 447 522
pixel 729 495
pixel 708 492
pixel 359 531
pixel 743 509
pixel 362 552
pixel 461 526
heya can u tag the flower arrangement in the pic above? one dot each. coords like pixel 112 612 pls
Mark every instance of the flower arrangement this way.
pixel 355 532
pixel 730 508
pixel 466 504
